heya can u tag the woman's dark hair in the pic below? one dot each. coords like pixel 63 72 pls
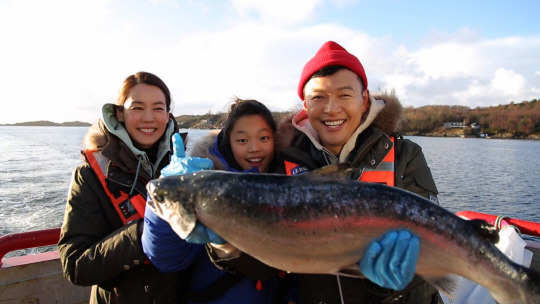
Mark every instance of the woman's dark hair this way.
pixel 248 107
pixel 147 78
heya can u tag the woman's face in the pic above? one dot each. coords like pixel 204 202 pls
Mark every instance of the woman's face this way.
pixel 144 115
pixel 252 143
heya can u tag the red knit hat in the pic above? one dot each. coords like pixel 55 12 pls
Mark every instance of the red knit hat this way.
pixel 330 54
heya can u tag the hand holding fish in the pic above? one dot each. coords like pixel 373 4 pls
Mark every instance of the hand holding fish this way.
pixel 159 241
pixel 182 164
pixel 203 235
pixel 391 261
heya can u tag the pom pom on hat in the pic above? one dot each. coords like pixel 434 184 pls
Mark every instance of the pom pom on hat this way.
pixel 330 54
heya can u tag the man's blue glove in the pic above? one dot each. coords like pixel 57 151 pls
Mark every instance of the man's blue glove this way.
pixel 182 164
pixel 391 261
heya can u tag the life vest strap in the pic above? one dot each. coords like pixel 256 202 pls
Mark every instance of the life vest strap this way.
pixel 129 209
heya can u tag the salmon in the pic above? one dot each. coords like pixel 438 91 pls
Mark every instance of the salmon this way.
pixel 322 222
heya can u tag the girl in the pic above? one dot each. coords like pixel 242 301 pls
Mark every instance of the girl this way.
pixel 245 144
pixel 100 237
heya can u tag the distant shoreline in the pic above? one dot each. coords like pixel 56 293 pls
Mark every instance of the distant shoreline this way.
pixel 45 123
pixel 447 133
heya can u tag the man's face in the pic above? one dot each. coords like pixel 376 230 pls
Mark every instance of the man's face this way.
pixel 334 105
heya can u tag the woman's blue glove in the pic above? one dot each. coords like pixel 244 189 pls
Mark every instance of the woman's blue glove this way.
pixel 202 235
pixel 391 261
pixel 182 164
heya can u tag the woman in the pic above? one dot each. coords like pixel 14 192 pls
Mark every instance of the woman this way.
pixel 100 238
pixel 245 144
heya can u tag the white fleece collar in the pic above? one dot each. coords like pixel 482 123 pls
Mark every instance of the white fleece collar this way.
pixel 301 122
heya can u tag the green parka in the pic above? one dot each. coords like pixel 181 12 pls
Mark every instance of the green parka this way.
pixel 95 247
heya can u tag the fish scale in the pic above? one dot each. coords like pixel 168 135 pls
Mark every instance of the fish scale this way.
pixel 323 223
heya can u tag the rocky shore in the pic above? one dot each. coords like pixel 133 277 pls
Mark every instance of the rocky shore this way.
pixel 463 133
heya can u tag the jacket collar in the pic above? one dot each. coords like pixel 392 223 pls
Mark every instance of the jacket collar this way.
pixel 301 122
pixel 385 113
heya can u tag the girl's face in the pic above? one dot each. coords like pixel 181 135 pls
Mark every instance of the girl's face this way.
pixel 252 143
pixel 145 115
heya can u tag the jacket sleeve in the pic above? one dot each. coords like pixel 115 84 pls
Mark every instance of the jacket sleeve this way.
pixel 164 248
pixel 412 172
pixel 95 247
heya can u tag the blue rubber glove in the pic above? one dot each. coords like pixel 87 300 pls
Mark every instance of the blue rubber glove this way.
pixel 182 164
pixel 202 235
pixel 390 262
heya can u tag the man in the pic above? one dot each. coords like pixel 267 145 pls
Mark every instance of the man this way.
pixel 341 122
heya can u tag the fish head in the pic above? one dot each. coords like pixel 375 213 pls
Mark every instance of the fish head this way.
pixel 171 200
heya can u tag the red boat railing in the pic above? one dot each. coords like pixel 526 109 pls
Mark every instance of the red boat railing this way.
pixel 25 240
pixel 525 227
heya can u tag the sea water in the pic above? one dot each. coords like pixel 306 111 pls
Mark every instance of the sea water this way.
pixel 486 175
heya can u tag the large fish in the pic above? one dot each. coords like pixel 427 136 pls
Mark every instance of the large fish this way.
pixel 322 223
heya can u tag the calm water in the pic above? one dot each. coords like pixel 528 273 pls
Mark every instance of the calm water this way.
pixel 485 175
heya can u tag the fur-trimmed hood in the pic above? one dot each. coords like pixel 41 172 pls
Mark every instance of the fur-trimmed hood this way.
pixel 203 146
pixel 385 113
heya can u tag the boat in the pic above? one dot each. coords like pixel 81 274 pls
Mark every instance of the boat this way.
pixel 35 278
pixel 38 278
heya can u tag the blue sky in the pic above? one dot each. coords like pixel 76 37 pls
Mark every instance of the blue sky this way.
pixel 61 60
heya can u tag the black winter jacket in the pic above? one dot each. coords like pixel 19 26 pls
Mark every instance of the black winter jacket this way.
pixel 95 247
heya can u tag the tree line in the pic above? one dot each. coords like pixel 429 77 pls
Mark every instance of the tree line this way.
pixel 521 119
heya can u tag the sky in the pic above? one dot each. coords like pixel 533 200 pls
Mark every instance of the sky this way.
pixel 62 60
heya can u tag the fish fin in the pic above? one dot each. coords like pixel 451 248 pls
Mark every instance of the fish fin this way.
pixel 352 271
pixel 341 169
pixel 486 230
pixel 448 284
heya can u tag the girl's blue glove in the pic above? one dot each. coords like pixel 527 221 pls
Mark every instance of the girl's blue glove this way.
pixel 182 164
pixel 391 261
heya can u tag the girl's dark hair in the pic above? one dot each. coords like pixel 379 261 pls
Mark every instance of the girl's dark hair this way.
pixel 147 78
pixel 247 107
pixel 241 108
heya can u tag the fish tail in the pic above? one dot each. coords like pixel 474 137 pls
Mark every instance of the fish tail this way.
pixel 531 287
pixel 525 289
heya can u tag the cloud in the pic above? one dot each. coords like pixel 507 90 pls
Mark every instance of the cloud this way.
pixel 72 56
pixel 508 82
pixel 278 11
pixel 473 72
pixel 464 35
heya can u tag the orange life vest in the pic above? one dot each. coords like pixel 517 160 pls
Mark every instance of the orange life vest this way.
pixel 129 209
pixel 383 174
